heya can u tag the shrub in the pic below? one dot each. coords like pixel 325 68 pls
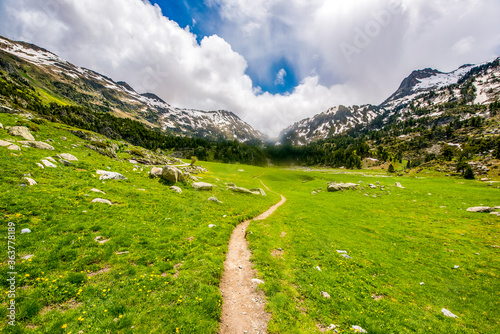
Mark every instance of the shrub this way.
pixel 468 174
pixel 391 169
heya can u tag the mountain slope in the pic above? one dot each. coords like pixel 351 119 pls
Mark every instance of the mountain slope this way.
pixel 427 88
pixel 57 80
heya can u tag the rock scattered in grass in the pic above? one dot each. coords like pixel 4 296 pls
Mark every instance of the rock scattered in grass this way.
pixel 334 187
pixel 325 294
pixel 241 170
pixel 341 251
pixel 48 164
pixel 258 191
pixel 67 156
pixel 31 181
pixel 358 329
pixel 101 239
pixel 97 191
pixel 456 267
pixel 202 186
pixel 214 199
pixel 399 185
pixel 377 297
pixel 257 281
pixel 40 165
pixel 5 143
pixel 372 186
pixel 172 174
pixel 121 253
pixel 155 172
pixel 212 226
pixel 480 209
pixel 346 256
pixel 318 268
pixel 422 283
pixel 314 193
pixel 21 131
pixel 25 230
pixel 38 144
pixel 448 313
pixel 27 257
pixel 176 189
pixel 105 175
pixel 51 159
pixel 14 148
pixel 102 200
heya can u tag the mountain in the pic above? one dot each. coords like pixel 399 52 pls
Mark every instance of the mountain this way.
pixel 427 88
pixel 334 121
pixel 57 80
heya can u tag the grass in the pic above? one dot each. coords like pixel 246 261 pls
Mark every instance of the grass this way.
pixel 168 281
pixel 397 240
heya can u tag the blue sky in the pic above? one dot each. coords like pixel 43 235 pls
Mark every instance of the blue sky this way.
pixel 205 20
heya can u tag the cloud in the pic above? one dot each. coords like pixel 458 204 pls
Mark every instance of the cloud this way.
pixel 280 77
pixel 131 40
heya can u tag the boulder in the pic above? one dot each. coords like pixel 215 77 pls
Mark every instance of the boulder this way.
pixel 30 181
pixel 14 148
pixel 202 186
pixel 102 200
pixel 325 294
pixel 172 174
pixel 105 175
pixel 67 156
pixel 240 190
pixel 481 209
pixel 38 144
pixel 258 191
pixel 399 185
pixel 21 131
pixel 48 164
pixel 333 187
pixel 176 189
pixel 155 172
pixel 214 199
pixel 5 143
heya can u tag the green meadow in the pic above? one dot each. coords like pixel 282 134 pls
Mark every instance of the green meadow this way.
pixel 161 265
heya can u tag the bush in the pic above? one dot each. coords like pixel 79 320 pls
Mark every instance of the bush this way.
pixel 391 169
pixel 468 174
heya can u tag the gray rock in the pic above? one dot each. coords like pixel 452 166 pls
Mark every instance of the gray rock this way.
pixel 5 143
pixel 21 131
pixel 25 230
pixel 51 159
pixel 66 163
pixel 241 170
pixel 212 226
pixel 399 185
pixel 105 175
pixel 481 209
pixel 240 190
pixel 231 184
pixel 63 138
pixel 14 148
pixel 31 181
pixel 333 187
pixel 341 251
pixel 48 164
pixel 258 191
pixel 325 294
pixel 346 256
pixel 314 193
pixel 1 126
pixel 97 191
pixel 448 313
pixel 372 186
pixel 172 174
pixel 155 172
pixel 176 189
pixel 38 144
pixel 214 199
pixel 358 329
pixel 202 186
pixel 134 162
pixel 40 165
pixel 257 281
pixel 27 257
pixel 102 200
pixel 67 156
pixel 318 268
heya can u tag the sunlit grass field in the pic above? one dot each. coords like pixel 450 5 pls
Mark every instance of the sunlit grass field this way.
pixel 160 269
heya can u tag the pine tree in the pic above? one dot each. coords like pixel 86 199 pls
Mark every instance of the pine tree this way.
pixel 391 169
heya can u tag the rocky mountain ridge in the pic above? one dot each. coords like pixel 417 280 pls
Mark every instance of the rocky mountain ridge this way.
pixel 82 86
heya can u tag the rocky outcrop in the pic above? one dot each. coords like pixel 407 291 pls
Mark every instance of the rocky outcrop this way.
pixel 21 131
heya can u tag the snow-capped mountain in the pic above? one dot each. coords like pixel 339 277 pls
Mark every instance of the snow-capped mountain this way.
pixel 427 88
pixel 86 87
pixel 334 121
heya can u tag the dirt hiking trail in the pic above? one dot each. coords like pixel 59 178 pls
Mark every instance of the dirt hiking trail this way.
pixel 243 306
